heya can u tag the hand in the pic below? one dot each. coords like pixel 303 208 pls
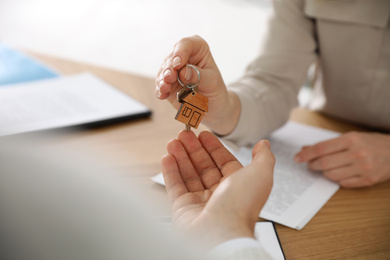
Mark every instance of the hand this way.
pixel 213 197
pixel 353 160
pixel 224 107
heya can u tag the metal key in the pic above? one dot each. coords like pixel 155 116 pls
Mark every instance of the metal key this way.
pixel 184 92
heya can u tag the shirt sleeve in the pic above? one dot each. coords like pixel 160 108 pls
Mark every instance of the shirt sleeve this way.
pixel 239 248
pixel 268 89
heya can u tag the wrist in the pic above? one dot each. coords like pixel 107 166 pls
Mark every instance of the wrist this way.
pixel 226 118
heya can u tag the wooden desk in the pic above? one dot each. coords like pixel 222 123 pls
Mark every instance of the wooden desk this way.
pixel 354 224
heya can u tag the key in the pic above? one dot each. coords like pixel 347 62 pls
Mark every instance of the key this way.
pixel 193 105
pixel 183 93
pixel 180 95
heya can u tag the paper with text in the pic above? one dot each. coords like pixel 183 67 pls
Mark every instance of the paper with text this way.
pixel 266 234
pixel 298 193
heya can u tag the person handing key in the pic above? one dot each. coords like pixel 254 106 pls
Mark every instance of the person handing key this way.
pixel 352 84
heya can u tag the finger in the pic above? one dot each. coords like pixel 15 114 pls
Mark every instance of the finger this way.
pixel 263 156
pixel 168 87
pixel 331 161
pixel 162 90
pixel 173 182
pixel 341 173
pixel 355 182
pixel 259 177
pixel 200 158
pixel 207 84
pixel 249 187
pixel 260 147
pixel 223 159
pixel 162 68
pixel 321 149
pixel 165 69
pixel 193 50
pixel 165 88
pixel 166 80
pixel 188 75
pixel 190 178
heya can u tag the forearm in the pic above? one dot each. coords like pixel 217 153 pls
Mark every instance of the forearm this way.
pixel 269 88
pixel 264 108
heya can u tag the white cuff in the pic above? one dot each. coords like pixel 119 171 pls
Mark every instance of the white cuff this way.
pixel 229 247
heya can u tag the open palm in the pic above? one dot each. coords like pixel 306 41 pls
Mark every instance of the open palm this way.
pixel 209 188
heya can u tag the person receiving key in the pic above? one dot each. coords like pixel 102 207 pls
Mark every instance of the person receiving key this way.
pixel 349 41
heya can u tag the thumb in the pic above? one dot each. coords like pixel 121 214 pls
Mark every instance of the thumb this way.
pixel 257 178
pixel 263 162
pixel 261 154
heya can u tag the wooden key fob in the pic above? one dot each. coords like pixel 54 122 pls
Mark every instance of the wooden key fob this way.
pixel 193 105
pixel 192 109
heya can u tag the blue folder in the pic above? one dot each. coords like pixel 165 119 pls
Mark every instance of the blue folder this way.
pixel 16 67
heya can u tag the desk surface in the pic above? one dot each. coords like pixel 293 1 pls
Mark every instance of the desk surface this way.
pixel 354 224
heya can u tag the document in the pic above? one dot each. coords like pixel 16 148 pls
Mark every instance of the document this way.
pixel 64 101
pixel 267 236
pixel 298 193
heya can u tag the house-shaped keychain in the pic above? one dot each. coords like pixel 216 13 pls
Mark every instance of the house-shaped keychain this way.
pixel 192 109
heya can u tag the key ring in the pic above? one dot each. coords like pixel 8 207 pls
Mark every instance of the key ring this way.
pixel 191 86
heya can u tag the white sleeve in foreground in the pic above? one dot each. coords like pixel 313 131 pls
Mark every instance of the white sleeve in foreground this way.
pixel 239 248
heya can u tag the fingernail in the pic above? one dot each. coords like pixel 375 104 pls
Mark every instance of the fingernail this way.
pixel 158 92
pixel 176 62
pixel 267 143
pixel 162 82
pixel 167 72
